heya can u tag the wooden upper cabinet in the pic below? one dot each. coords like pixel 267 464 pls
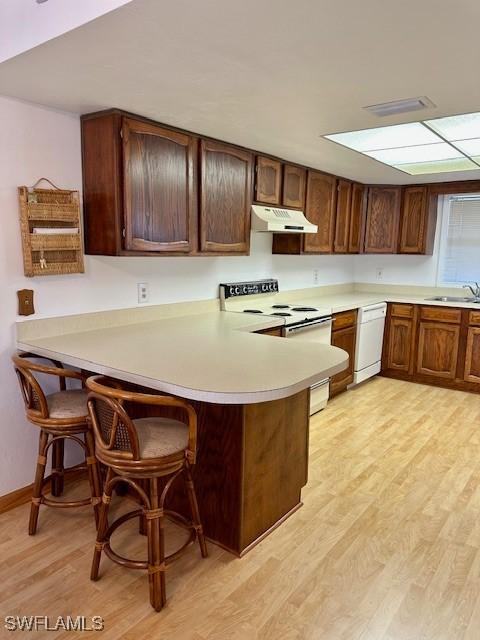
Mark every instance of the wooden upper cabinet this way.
pixel 225 198
pixel 159 188
pixel 383 217
pixel 268 181
pixel 438 345
pixel 419 217
pixel 294 184
pixel 320 209
pixel 357 219
pixel 342 223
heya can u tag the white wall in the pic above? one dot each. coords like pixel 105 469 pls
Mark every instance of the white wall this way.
pixel 39 142
pixel 24 24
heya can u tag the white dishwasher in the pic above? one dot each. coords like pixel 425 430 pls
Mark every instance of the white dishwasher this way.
pixel 368 350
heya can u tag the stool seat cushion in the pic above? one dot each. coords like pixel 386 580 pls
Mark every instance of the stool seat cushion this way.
pixel 68 404
pixel 159 437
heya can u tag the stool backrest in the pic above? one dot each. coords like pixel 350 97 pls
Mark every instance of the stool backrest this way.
pixel 115 433
pixel 36 404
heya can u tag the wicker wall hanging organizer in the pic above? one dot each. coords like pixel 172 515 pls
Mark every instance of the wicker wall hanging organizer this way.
pixel 51 230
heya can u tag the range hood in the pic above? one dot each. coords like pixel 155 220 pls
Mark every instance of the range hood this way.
pixel 280 220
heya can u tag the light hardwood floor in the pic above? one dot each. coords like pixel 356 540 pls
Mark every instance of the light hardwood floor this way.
pixel 387 544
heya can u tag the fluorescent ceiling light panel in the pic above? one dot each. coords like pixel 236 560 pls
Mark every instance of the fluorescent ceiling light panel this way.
pixel 418 153
pixel 432 146
pixel 399 135
pixel 469 147
pixel 457 127
pixel 440 166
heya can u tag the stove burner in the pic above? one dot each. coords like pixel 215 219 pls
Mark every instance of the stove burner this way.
pixel 281 313
pixel 280 306
pixel 252 311
pixel 304 309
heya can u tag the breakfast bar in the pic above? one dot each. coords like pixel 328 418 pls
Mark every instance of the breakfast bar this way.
pixel 250 391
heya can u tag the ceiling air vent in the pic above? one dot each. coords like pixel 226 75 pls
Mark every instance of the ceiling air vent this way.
pixel 400 106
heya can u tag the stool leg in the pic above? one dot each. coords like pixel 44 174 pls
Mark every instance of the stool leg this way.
pixel 38 482
pixel 58 471
pixel 142 526
pixel 102 526
pixel 156 549
pixel 192 498
pixel 93 474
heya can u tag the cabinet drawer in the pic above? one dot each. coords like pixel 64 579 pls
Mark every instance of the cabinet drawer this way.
pixel 441 314
pixel 344 319
pixel 474 317
pixel 402 310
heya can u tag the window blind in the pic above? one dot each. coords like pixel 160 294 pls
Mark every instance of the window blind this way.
pixel 460 258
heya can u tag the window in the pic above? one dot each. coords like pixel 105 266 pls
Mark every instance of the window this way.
pixel 459 260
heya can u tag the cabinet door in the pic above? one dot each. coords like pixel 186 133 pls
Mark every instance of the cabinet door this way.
pixel 414 219
pixel 320 210
pixel 472 357
pixel 438 349
pixel 383 217
pixel 344 339
pixel 294 183
pixel 342 222
pixel 357 219
pixel 399 344
pixel 159 188
pixel 268 180
pixel 226 198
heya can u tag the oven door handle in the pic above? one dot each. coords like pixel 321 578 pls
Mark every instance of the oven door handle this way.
pixel 307 325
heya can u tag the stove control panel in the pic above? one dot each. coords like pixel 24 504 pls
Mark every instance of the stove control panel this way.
pixel 235 289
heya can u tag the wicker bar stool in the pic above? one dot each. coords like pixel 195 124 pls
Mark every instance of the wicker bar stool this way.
pixel 60 416
pixel 141 452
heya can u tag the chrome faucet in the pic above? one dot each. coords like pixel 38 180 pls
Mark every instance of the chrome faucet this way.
pixel 474 289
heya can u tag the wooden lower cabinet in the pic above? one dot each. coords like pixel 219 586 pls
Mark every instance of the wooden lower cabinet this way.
pixel 344 338
pixel 433 345
pixel 438 349
pixel 472 356
pixel 399 344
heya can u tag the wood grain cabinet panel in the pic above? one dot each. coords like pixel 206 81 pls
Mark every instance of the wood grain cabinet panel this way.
pixel 344 339
pixel 159 182
pixel 294 184
pixel 472 356
pixel 441 314
pixel 399 344
pixel 320 209
pixel 357 219
pixel 342 222
pixel 438 345
pixel 382 221
pixel 402 310
pixel 414 220
pixel 268 180
pixel 226 198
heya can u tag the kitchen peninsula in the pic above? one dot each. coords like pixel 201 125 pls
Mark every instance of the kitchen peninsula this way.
pixel 250 390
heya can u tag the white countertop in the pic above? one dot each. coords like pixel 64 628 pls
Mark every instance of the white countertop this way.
pixel 346 301
pixel 212 356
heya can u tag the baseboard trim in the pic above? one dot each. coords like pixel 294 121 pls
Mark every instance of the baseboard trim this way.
pixel 22 496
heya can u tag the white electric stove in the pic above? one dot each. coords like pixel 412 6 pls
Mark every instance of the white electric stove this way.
pixel 300 321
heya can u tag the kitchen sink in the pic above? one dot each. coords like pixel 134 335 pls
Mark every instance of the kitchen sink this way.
pixel 454 299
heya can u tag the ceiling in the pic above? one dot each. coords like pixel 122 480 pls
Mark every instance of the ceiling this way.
pixel 271 75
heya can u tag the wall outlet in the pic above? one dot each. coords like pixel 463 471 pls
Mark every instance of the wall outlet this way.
pixel 142 292
pixel 379 273
pixel 315 276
